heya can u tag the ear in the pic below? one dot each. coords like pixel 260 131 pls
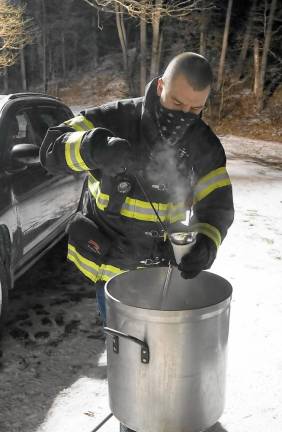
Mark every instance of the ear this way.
pixel 160 85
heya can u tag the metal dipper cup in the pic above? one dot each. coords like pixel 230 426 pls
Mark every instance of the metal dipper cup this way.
pixel 182 242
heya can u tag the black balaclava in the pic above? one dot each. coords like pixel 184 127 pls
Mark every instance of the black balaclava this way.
pixel 173 124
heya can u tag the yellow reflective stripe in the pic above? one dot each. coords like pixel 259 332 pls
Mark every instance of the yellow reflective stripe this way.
pixel 141 216
pixel 90 269
pixel 92 178
pixel 72 152
pixel 80 123
pixel 209 230
pixel 204 193
pixel 145 204
pixel 214 173
pixel 214 180
pixel 137 209
pixel 108 271
pixel 87 267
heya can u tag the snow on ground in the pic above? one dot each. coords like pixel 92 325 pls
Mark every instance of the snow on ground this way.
pixel 250 258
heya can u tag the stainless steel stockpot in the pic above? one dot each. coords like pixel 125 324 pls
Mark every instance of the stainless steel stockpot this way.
pixel 167 364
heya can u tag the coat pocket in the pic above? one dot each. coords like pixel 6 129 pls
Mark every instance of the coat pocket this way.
pixel 88 237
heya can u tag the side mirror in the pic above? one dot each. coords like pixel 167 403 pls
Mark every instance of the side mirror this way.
pixel 24 154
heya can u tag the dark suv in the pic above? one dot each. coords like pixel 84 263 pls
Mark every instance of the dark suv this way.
pixel 35 206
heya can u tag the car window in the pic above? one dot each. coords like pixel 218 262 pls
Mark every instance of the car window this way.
pixel 45 117
pixel 19 130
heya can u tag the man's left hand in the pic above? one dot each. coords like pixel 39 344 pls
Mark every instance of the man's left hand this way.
pixel 201 257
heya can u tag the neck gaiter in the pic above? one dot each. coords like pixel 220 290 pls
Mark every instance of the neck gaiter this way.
pixel 173 124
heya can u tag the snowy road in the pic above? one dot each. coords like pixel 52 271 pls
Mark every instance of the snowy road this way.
pixel 53 378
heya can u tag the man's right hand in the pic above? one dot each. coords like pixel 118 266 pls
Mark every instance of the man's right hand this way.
pixel 109 153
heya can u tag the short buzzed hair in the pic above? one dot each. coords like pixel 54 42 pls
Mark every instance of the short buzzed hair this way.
pixel 195 68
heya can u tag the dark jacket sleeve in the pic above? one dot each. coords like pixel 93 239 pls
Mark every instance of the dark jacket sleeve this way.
pixel 66 148
pixel 213 210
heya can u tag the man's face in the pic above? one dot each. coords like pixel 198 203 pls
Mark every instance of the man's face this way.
pixel 177 94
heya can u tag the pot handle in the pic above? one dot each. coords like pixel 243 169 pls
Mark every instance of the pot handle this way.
pixel 145 354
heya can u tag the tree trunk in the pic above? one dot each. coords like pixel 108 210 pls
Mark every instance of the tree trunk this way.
pixel 143 55
pixel 63 56
pixel 224 45
pixel 75 56
pixel 246 40
pixel 160 51
pixel 6 81
pixel 44 48
pixel 122 36
pixel 23 69
pixel 51 63
pixel 95 41
pixel 256 68
pixel 156 18
pixel 204 20
pixel 266 46
pixel 124 46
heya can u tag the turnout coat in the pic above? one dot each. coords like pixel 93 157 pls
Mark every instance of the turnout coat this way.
pixel 120 231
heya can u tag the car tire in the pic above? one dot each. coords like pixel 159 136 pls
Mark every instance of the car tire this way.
pixel 4 290
pixel 5 246
pixel 5 277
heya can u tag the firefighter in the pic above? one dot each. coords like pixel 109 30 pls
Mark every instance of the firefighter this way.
pixel 138 152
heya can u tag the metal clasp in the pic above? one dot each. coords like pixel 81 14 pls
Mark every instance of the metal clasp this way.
pixel 183 153
pixel 151 261
pixel 159 187
pixel 153 233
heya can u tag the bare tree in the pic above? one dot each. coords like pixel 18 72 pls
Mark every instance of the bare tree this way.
pixel 246 40
pixel 256 67
pixel 13 34
pixel 23 69
pixel 156 18
pixel 265 51
pixel 143 54
pixel 122 35
pixel 147 9
pixel 204 22
pixel 224 45
pixel 151 12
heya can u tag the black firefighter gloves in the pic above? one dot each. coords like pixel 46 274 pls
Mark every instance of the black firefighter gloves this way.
pixel 109 153
pixel 201 257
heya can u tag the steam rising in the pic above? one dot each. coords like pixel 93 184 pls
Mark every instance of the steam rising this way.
pixel 169 167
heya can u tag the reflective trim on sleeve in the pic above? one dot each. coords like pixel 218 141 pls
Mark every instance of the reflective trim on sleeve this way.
pixel 87 267
pixel 80 123
pixel 101 199
pixel 72 152
pixel 108 271
pixel 90 269
pixel 209 230
pixel 209 183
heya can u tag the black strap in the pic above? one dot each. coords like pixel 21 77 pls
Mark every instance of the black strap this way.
pixel 150 201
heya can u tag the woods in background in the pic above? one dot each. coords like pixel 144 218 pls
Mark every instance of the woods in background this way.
pixel 242 40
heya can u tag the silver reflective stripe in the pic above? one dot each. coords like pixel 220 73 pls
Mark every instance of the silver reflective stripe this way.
pixel 91 270
pixel 209 230
pixel 200 187
pixel 142 210
pixel 72 152
pixel 80 123
pixel 214 180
